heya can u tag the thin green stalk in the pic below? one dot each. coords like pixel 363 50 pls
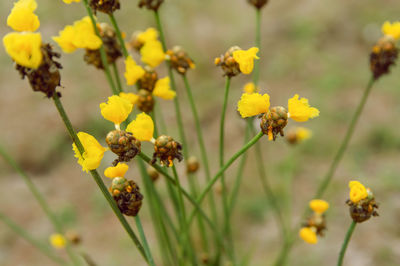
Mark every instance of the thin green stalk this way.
pixel 41 200
pixel 117 78
pixel 103 55
pixel 97 177
pixel 45 249
pixel 144 240
pixel 256 71
pixel 346 243
pixel 119 35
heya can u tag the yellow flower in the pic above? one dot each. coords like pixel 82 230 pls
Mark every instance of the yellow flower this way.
pixel 357 191
pixel 163 90
pixel 79 35
pixel 253 104
pixel 142 127
pixel 300 110
pixel 116 171
pixel 250 88
pixel 152 53
pixel 70 1
pixel 245 59
pixel 392 29
pixel 131 97
pixel 133 72
pixel 308 235
pixel 57 241
pixel 22 17
pixel 151 34
pixel 319 206
pixel 116 110
pixel 303 133
pixel 93 154
pixel 24 48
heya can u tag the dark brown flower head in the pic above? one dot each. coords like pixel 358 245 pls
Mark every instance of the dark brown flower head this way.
pixel 384 54
pixel 127 195
pixel 317 221
pixel 123 144
pixel 228 63
pixel 274 121
pixel 46 78
pixel 192 164
pixel 179 60
pixel 145 101
pixel 148 80
pixel 364 209
pixel 258 3
pixel 166 149
pixel 105 6
pixel 150 4
pixel 111 47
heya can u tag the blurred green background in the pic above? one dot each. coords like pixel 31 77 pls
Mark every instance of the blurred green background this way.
pixel 319 49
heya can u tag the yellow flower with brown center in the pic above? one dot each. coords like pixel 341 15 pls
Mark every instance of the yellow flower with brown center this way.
pixel 308 235
pixel 116 110
pixel 142 127
pixel 93 154
pixel 24 48
pixel 22 17
pixel 391 29
pixel 133 72
pixel 116 171
pixel 253 104
pixel 357 191
pixel 300 110
pixel 245 59
pixel 319 206
pixel 163 90
pixel 58 241
pixel 152 53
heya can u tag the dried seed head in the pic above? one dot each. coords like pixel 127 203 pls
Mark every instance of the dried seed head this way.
pixel 148 80
pixel 105 6
pixel 150 4
pixel 384 54
pixel 46 77
pixel 166 149
pixel 258 3
pixel 364 209
pixel 123 144
pixel 73 237
pixel 192 164
pixel 145 101
pixel 127 195
pixel 180 61
pixel 153 173
pixel 318 222
pixel 227 63
pixel 274 121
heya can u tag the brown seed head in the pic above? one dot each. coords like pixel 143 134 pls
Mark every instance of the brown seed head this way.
pixel 145 101
pixel 150 4
pixel 274 121
pixel 166 149
pixel 180 61
pixel 105 6
pixel 123 144
pixel 383 55
pixel 227 63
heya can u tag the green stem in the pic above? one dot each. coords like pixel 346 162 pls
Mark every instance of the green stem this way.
pixel 144 240
pixel 103 55
pixel 25 235
pixel 346 243
pixel 119 35
pixel 160 30
pixel 256 71
pixel 117 78
pixel 97 177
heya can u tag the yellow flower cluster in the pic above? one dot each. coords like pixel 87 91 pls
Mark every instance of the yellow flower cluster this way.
pixel 317 224
pixel 116 171
pixel 250 88
pixel 142 127
pixel 309 235
pixel 93 154
pixel 245 59
pixel 319 206
pixel 70 1
pixel 391 29
pixel 152 53
pixel 79 35
pixel 22 16
pixel 357 191
pixel 58 241
pixel 116 110
pixel 133 72
pixel 151 34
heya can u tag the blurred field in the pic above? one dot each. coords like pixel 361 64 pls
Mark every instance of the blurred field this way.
pixel 318 49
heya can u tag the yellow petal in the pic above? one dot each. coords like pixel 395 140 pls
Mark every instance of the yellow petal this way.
pixel 57 241
pixel 70 1
pixel 142 127
pixel 303 133
pixel 319 206
pixel 133 72
pixel 93 154
pixel 116 171
pixel 151 34
pixel 22 17
pixel 24 48
pixel 249 88
pixel 245 59
pixel 131 97
pixel 357 191
pixel 152 53
pixel 308 235
pixel 392 29
pixel 163 90
pixel 300 110
pixel 253 104
pixel 116 109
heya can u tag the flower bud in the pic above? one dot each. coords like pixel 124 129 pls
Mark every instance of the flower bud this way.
pixel 258 3
pixel 227 63
pixel 166 149
pixel 153 173
pixel 145 101
pixel 192 164
pixel 148 80
pixel 127 195
pixel 123 144
pixel 363 210
pixel 73 237
pixel 274 121
pixel 105 6
pixel 150 4
pixel 180 61
pixel 383 56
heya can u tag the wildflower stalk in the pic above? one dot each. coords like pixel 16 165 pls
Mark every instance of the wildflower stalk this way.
pixel 97 177
pixel 144 240
pixel 119 35
pixel 117 78
pixel 256 72
pixel 41 200
pixel 25 235
pixel 103 55
pixel 346 243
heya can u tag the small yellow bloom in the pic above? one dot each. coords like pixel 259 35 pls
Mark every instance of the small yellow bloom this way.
pixel 133 72
pixel 250 88
pixel 116 110
pixel 163 90
pixel 300 110
pixel 142 127
pixel 93 154
pixel 245 59
pixel 151 34
pixel 319 206
pixel 131 97
pixel 22 17
pixel 70 1
pixel 253 104
pixel 308 235
pixel 79 35
pixel 303 133
pixel 24 48
pixel 152 53
pixel 57 241
pixel 392 29
pixel 357 191
pixel 116 171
